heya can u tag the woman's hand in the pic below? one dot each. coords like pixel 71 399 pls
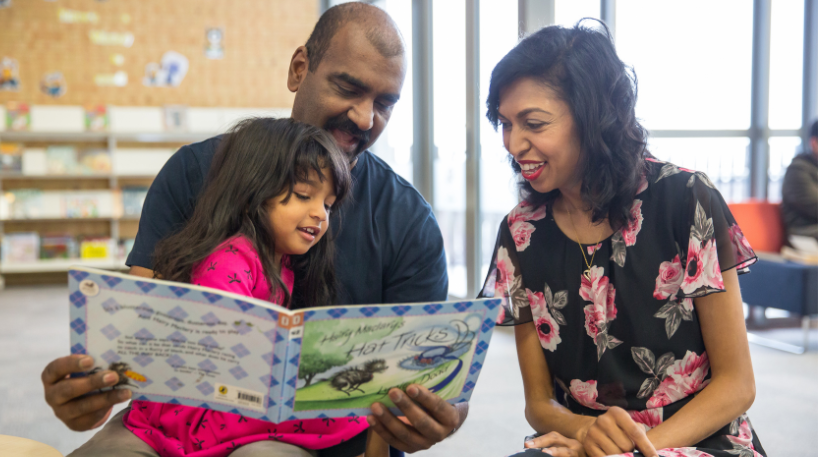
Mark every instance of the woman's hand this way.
pixel 557 445
pixel 615 432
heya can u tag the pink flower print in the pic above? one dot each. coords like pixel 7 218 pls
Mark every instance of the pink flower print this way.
pixel 630 231
pixel 669 279
pixel 547 330
pixel 505 273
pixel 585 394
pixel 684 377
pixel 521 233
pixel 537 301
pixel 682 452
pixel 592 249
pixel 600 292
pixel 702 267
pixel 741 246
pixel 649 418
pixel 518 223
pixel 745 434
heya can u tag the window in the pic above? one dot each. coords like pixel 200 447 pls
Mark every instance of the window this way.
pixel 786 64
pixel 568 12
pixel 782 150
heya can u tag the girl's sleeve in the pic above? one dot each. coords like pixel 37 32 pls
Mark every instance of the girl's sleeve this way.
pixel 712 240
pixel 505 280
pixel 231 268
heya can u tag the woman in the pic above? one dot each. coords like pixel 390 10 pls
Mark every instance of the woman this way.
pixel 620 271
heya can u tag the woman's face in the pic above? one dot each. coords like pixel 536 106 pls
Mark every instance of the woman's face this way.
pixel 300 222
pixel 539 132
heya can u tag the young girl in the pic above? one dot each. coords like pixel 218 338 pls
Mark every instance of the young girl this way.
pixel 258 230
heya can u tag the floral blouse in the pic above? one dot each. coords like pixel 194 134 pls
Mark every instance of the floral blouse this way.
pixel 627 334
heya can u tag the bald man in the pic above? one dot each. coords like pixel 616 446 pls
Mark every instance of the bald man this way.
pixel 346 79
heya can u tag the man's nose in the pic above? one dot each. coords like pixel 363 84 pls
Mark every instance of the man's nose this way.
pixel 363 115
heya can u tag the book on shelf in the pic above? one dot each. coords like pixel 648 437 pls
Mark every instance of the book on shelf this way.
pixel 97 248
pixel 58 246
pixel 185 344
pixel 133 197
pixel 18 116
pixel 96 118
pixel 11 158
pixel 20 247
pixel 61 160
pixel 69 161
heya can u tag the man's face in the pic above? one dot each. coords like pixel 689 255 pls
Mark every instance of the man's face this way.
pixel 351 93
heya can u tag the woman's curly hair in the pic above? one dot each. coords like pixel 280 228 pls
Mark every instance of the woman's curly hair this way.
pixel 580 64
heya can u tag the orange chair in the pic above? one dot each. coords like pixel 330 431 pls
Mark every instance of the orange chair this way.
pixel 775 282
pixel 761 223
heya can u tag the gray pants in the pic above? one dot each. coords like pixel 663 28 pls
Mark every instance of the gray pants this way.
pixel 116 440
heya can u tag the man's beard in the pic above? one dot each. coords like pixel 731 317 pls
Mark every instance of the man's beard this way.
pixel 342 123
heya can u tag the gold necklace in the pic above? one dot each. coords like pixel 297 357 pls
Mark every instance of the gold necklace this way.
pixel 587 272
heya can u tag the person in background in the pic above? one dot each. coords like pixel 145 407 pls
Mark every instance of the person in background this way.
pixel 799 193
pixel 389 249
pixel 619 271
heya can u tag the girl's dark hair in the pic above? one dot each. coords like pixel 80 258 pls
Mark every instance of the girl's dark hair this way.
pixel 260 159
pixel 580 64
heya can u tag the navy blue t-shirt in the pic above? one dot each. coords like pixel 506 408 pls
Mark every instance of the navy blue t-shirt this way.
pixel 389 249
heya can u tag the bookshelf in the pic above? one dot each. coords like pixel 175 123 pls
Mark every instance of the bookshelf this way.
pixel 114 224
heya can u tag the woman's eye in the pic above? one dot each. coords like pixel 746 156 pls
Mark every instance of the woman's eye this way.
pixel 505 125
pixel 535 125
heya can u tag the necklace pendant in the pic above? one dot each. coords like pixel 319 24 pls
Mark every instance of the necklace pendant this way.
pixel 587 274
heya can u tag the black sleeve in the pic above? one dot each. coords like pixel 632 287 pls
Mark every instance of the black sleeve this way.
pixel 419 272
pixel 800 191
pixel 505 280
pixel 168 205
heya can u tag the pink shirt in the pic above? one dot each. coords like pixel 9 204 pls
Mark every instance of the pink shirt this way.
pixel 175 430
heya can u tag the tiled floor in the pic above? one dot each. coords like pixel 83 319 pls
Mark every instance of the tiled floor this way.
pixel 34 330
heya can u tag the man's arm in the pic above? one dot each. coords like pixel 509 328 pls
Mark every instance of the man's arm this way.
pixel 800 191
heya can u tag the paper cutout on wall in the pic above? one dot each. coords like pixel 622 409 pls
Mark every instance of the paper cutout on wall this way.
pixel 118 59
pixel 18 116
pixel 118 79
pixel 170 73
pixel 53 84
pixel 9 74
pixel 214 48
pixel 104 38
pixel 96 118
pixel 5 3
pixel 77 17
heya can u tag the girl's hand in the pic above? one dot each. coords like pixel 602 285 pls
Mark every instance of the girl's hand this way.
pixel 557 445
pixel 615 433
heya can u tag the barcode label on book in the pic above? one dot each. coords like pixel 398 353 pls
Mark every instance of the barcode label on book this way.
pixel 240 397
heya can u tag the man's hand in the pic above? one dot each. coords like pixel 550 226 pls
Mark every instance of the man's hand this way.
pixel 557 445
pixel 428 419
pixel 615 432
pixel 63 393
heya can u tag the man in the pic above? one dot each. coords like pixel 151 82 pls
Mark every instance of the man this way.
pixel 799 193
pixel 346 79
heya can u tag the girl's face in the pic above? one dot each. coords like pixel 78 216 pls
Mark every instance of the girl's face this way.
pixel 300 222
pixel 539 132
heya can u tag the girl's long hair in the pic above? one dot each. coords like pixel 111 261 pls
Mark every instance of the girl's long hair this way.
pixel 260 159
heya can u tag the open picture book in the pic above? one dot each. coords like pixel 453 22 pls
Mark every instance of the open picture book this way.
pixel 190 345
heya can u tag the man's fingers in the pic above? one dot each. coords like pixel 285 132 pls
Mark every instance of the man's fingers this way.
pixel 93 404
pixel 70 388
pixel 64 366
pixel 387 436
pixel 435 419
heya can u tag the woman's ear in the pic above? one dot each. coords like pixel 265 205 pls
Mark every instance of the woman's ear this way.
pixel 299 66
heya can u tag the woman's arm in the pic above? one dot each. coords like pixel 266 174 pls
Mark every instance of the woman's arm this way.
pixel 732 387
pixel 542 411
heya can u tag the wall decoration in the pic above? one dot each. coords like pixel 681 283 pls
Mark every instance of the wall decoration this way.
pixel 53 84
pixel 125 18
pixel 96 118
pixel 214 49
pixel 9 74
pixel 104 38
pixel 170 73
pixel 118 59
pixel 176 118
pixel 5 3
pixel 118 79
pixel 18 116
pixel 77 17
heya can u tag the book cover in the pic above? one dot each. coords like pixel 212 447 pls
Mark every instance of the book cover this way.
pixel 191 345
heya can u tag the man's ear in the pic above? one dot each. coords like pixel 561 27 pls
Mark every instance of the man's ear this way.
pixel 299 66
